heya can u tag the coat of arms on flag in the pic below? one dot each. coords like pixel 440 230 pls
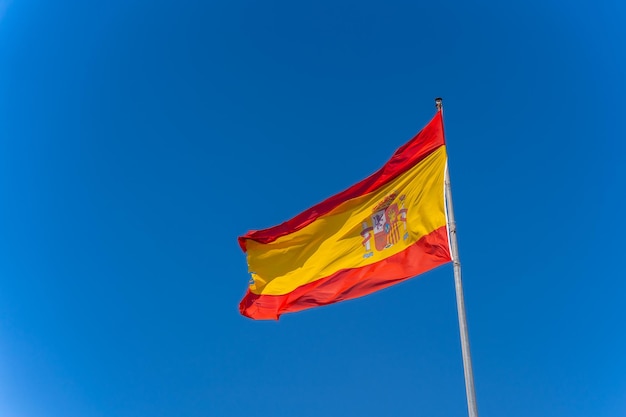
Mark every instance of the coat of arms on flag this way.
pixel 388 222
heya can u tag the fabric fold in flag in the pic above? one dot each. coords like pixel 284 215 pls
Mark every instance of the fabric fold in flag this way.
pixel 385 229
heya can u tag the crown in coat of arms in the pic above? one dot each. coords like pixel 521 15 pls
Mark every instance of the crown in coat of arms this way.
pixel 385 203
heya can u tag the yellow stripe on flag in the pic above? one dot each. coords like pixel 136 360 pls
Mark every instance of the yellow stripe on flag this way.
pixel 336 241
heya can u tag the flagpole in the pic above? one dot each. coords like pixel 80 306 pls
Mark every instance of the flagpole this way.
pixel 460 302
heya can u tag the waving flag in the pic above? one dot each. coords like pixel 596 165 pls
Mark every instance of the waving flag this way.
pixel 383 230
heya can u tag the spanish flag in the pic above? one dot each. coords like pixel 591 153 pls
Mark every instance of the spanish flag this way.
pixel 383 230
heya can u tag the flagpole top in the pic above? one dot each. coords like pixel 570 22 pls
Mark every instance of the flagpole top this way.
pixel 438 103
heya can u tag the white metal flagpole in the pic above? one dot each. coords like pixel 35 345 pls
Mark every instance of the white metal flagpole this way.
pixel 460 303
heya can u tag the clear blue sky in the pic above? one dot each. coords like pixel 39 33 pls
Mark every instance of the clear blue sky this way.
pixel 138 139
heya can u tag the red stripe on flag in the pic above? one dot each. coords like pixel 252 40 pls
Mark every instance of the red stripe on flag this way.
pixel 429 252
pixel 419 147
